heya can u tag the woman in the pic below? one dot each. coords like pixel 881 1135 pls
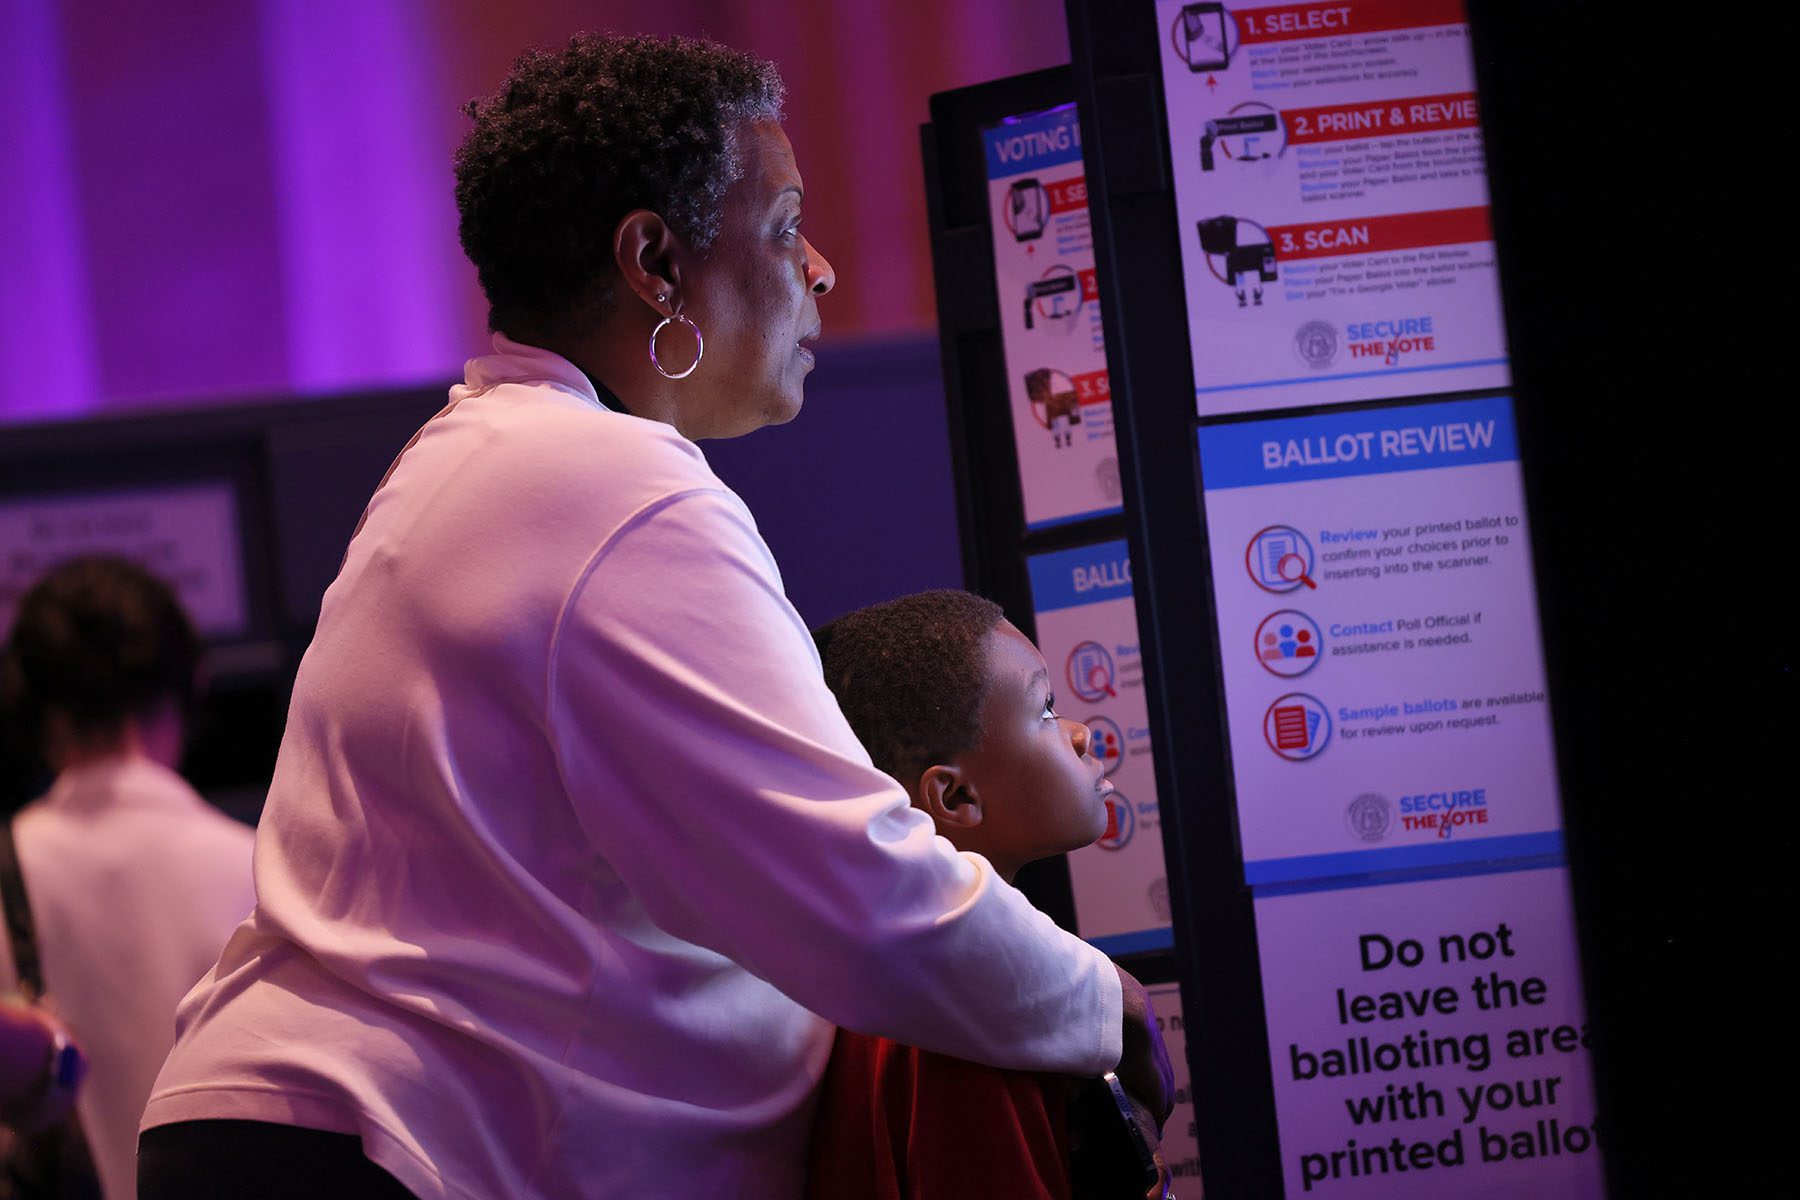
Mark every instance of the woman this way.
pixel 567 836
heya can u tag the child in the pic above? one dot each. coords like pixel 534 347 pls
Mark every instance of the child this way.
pixel 956 704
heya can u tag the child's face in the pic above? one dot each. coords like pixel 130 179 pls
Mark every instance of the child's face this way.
pixel 1040 791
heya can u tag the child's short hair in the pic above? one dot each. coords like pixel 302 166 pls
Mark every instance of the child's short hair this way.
pixel 98 640
pixel 910 675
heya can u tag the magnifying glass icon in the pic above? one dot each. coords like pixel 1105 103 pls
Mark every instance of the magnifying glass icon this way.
pixel 1292 568
pixel 1100 680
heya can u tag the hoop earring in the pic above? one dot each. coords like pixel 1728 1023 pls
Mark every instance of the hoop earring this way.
pixel 699 346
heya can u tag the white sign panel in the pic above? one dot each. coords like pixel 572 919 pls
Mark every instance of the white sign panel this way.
pixel 1087 629
pixel 1181 1136
pixel 1384 677
pixel 1050 319
pixel 188 536
pixel 1331 187
pixel 1428 1039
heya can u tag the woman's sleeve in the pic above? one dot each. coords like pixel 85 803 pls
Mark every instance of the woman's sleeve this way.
pixel 710 766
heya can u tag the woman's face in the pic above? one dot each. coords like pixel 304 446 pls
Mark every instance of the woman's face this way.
pixel 755 294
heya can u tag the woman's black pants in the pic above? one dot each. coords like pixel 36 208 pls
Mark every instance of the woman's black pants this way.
pixel 225 1160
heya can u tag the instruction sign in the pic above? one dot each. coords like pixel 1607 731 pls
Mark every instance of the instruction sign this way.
pixel 1427 1039
pixel 1384 675
pixel 1331 189
pixel 1057 389
pixel 1087 630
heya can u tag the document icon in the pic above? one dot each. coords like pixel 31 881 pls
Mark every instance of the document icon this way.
pixel 1297 726
pixel 1292 730
pixel 1275 547
pixel 1280 559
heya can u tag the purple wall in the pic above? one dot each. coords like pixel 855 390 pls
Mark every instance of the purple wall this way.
pixel 221 200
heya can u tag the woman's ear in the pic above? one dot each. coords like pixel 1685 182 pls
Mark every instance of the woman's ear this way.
pixel 646 250
pixel 946 793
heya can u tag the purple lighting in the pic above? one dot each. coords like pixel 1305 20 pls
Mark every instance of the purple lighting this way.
pixel 219 201
pixel 46 340
pixel 376 291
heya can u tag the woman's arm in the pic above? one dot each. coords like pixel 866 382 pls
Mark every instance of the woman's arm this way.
pixel 711 767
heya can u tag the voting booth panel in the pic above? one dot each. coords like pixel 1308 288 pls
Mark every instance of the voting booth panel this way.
pixel 1351 504
pixel 1250 281
pixel 1039 493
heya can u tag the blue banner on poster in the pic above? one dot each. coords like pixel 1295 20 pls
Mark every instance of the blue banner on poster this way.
pixel 1373 441
pixel 1022 144
pixel 1084 575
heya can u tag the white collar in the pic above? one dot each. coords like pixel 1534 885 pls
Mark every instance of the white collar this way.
pixel 121 782
pixel 515 362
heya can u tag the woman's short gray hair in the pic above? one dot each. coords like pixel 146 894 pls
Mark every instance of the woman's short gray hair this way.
pixel 576 138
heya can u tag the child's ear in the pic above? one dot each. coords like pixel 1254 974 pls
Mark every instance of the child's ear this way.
pixel 947 795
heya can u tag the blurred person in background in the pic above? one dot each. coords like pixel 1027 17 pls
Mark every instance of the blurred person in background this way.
pixel 132 881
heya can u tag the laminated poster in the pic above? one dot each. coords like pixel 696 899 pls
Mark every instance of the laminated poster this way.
pixel 1428 1039
pixel 1378 630
pixel 1332 193
pixel 1180 1135
pixel 1050 319
pixel 1087 630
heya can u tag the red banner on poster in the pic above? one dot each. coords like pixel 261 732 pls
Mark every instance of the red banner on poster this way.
pixel 1381 118
pixel 1090 284
pixel 1092 387
pixel 1066 195
pixel 1374 235
pixel 1294 22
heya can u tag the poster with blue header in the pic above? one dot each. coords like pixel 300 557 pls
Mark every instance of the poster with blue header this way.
pixel 1057 390
pixel 1378 628
pixel 1397 802
pixel 1087 630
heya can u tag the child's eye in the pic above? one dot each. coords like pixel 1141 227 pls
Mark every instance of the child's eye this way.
pixel 1050 708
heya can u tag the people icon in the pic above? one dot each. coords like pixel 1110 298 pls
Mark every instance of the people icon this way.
pixel 1106 742
pixel 1288 643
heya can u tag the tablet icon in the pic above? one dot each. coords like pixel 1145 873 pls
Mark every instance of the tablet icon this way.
pixel 1280 560
pixel 1090 672
pixel 1288 643
pixel 1202 37
pixel 1297 726
pixel 1027 210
